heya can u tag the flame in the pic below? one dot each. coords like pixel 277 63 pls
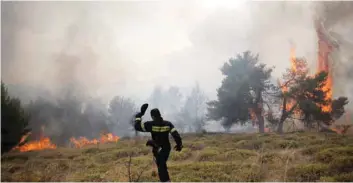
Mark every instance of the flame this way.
pixel 43 143
pixel 325 48
pixel 336 130
pixel 296 67
pixel 83 141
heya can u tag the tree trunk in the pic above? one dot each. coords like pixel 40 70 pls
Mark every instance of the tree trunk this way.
pixel 261 122
pixel 280 127
pixel 283 116
pixel 258 112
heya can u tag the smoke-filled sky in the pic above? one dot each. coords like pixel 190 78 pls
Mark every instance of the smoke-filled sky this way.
pixel 128 47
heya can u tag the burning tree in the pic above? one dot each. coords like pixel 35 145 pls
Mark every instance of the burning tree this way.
pixel 14 121
pixel 306 98
pixel 242 94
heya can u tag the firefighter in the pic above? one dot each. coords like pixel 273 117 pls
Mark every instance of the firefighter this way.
pixel 159 129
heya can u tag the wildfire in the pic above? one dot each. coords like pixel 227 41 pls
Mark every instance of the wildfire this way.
pixel 83 141
pixel 292 60
pixel 43 143
pixel 297 67
pixel 325 48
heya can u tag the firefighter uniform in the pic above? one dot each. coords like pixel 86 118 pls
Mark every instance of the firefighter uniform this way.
pixel 160 130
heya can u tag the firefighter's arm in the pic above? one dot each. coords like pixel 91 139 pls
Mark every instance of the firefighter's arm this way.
pixel 142 126
pixel 176 136
pixel 139 125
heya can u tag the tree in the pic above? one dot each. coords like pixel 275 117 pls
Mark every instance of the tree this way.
pixel 63 118
pixel 70 117
pixel 315 106
pixel 121 113
pixel 156 98
pixel 96 115
pixel 193 112
pixel 14 121
pixel 42 112
pixel 241 95
pixel 304 98
pixel 172 102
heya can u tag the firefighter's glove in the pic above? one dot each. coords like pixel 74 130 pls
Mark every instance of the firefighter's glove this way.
pixel 138 115
pixel 151 143
pixel 178 148
pixel 142 111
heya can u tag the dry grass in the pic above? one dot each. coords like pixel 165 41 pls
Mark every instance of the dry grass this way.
pixel 206 158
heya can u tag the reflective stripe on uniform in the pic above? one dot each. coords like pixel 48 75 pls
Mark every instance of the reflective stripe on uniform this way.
pixel 160 128
pixel 173 130
pixel 137 119
pixel 143 126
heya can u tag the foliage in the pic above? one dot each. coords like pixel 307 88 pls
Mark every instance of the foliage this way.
pixel 96 115
pixel 121 111
pixel 303 97
pixel 193 112
pixel 66 117
pixel 243 88
pixel 14 121
pixel 169 101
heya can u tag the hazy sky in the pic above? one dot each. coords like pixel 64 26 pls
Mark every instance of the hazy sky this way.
pixel 128 47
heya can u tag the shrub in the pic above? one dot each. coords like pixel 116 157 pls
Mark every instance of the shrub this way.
pixel 342 164
pixel 327 155
pixel 208 154
pixel 313 149
pixel 14 122
pixel 308 172
pixel 345 177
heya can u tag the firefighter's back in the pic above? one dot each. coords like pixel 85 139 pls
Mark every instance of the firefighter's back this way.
pixel 160 133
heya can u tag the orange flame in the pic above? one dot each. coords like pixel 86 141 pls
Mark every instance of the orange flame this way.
pixel 292 60
pixel 43 143
pixel 83 141
pixel 295 68
pixel 325 48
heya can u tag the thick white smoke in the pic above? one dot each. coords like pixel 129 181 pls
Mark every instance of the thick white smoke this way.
pixel 104 49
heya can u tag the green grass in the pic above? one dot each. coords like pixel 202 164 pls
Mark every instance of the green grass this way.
pixel 205 158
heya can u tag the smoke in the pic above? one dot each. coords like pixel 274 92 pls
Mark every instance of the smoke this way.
pixel 105 49
pixel 110 48
pixel 337 18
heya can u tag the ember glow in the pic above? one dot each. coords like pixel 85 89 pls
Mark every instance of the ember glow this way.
pixel 83 141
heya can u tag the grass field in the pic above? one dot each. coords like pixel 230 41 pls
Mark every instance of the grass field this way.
pixel 207 157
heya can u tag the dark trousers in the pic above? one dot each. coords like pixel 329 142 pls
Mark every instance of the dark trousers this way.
pixel 161 158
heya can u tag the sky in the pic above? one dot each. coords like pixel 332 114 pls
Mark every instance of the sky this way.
pixel 129 47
